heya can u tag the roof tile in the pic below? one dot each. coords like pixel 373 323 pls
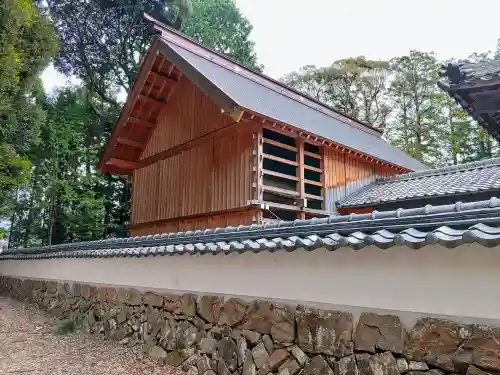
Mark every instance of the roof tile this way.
pixel 458 179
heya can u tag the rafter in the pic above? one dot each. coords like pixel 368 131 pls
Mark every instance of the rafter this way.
pixel 153 99
pixel 130 142
pixel 142 122
pixel 123 164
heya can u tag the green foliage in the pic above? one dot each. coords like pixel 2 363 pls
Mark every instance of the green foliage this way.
pixel 219 25
pixel 62 203
pixel 65 199
pixel 401 97
pixel 356 86
pixel 27 42
pixel 66 327
pixel 102 41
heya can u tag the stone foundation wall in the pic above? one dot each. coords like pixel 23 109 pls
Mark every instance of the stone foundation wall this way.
pixel 210 335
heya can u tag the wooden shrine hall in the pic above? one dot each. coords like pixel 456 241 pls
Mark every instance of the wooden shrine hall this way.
pixel 209 143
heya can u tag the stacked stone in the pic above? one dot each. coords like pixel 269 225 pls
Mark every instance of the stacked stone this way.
pixel 208 335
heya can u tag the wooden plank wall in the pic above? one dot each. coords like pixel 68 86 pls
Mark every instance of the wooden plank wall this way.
pixel 246 217
pixel 345 173
pixel 189 114
pixel 213 177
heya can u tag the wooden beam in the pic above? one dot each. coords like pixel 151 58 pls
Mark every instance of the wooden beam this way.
pixel 130 142
pixel 123 164
pixel 131 99
pixel 312 155
pixel 257 162
pixel 315 183
pixel 281 145
pixel 185 146
pixel 163 77
pixel 279 191
pixel 248 207
pixel 314 197
pixel 300 170
pixel 287 207
pixel 150 98
pixel 137 120
pixel 281 160
pixel 236 114
pixel 281 175
pixel 314 169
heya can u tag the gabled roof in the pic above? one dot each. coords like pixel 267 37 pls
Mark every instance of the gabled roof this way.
pixel 468 178
pixel 447 225
pixel 476 87
pixel 238 90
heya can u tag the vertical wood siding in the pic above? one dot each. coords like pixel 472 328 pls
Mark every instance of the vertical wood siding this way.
pixel 189 114
pixel 247 217
pixel 212 177
pixel 345 173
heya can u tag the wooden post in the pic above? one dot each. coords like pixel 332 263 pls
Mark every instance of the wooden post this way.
pixel 300 175
pixel 322 176
pixel 258 165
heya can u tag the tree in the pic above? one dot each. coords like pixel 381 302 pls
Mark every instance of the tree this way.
pixel 27 43
pixel 413 98
pixel 62 202
pixel 103 41
pixel 219 25
pixel 356 86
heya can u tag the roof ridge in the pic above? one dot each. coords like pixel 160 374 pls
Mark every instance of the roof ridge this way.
pixel 442 170
pixel 368 127
pixel 273 230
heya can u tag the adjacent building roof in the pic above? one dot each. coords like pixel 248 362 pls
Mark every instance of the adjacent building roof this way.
pixel 238 89
pixel 447 225
pixel 476 87
pixel 469 178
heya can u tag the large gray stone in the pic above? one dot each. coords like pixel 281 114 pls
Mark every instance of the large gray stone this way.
pixel 203 365
pixel 157 353
pixel 417 366
pixel 186 335
pixel 260 356
pixel 260 317
pixel 241 343
pixel 173 304
pixel 227 351
pixel 133 297
pixel 209 308
pixel 402 364
pixel 482 349
pixel 299 355
pixel 346 366
pixel 378 364
pixel 291 366
pixel 379 332
pixel 317 366
pixel 322 331
pixel 434 341
pixel 175 358
pixel 283 326
pixel 277 358
pixel 188 305
pixel 472 370
pixel 251 336
pixel 152 300
pixel 268 343
pixel 249 367
pixel 232 312
pixel 207 345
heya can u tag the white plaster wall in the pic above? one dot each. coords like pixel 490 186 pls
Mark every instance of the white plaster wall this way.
pixel 461 283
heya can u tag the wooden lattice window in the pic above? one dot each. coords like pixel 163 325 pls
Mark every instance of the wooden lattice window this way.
pixel 292 174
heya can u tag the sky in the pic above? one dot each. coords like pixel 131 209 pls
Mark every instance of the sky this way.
pixel 289 34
